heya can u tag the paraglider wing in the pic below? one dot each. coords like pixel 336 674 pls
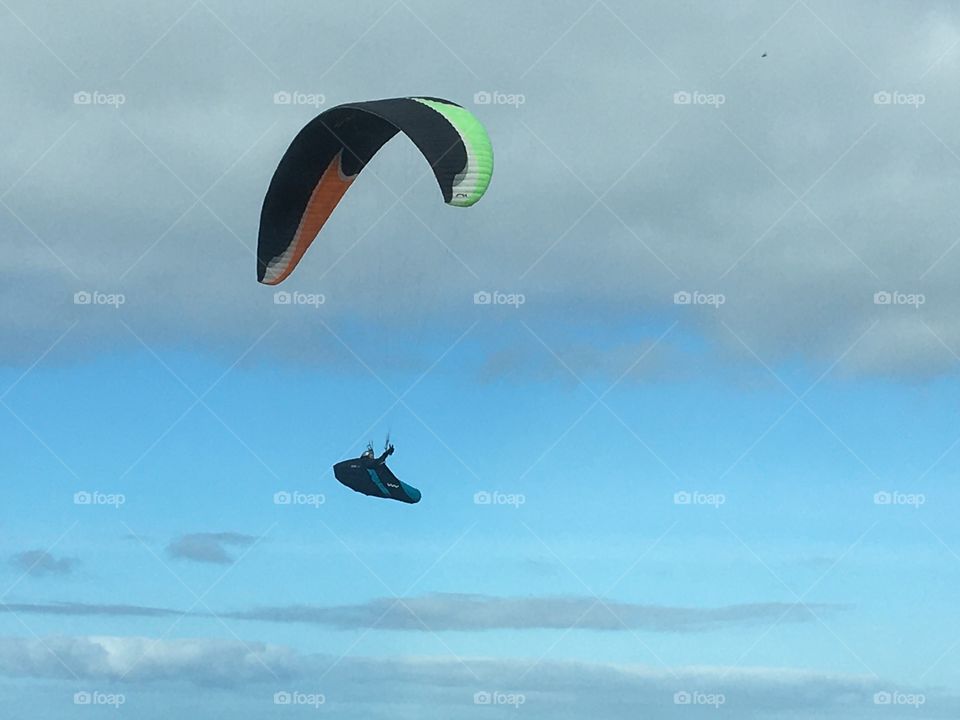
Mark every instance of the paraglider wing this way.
pixel 328 154
pixel 375 479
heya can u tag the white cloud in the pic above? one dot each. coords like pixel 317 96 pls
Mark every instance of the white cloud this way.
pixel 354 686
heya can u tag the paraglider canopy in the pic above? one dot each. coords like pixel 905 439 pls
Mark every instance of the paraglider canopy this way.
pixel 328 154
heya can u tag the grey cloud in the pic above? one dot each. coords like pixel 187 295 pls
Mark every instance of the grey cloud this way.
pixel 39 563
pixel 73 609
pixel 441 612
pixel 800 281
pixel 459 612
pixel 208 547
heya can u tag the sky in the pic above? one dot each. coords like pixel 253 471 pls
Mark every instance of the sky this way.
pixel 697 460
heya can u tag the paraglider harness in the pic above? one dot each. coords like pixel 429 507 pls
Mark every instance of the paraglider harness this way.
pixel 370 475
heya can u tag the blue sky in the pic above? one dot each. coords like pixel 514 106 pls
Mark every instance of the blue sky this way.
pixel 747 503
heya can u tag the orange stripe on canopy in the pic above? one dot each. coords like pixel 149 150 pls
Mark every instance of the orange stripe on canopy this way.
pixel 324 199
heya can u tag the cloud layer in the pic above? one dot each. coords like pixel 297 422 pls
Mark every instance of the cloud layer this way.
pixel 460 612
pixel 446 611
